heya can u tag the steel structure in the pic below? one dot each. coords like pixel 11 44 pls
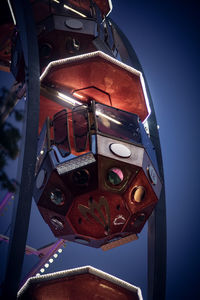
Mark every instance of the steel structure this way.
pixel 157 222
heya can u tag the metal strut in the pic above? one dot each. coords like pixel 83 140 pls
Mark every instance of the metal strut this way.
pixel 21 212
pixel 157 236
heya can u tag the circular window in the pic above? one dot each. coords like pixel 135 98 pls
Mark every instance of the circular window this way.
pixel 81 177
pixel 41 179
pixel 152 175
pixel 57 223
pixel 138 194
pixel 57 197
pixel 115 176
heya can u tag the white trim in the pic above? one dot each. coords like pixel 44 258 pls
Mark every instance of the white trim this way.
pixel 106 57
pixel 81 270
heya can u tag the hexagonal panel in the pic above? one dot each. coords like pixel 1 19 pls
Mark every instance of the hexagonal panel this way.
pixel 124 84
pixel 80 283
pixel 98 214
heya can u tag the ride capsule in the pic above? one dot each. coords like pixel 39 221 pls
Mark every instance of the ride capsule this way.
pixel 97 179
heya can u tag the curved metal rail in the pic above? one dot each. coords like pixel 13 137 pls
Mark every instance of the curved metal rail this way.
pixel 21 212
pixel 157 237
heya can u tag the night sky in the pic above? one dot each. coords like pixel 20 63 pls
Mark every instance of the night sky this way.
pixel 165 38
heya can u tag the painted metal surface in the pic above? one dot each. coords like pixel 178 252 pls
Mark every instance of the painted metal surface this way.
pixel 157 238
pixel 21 213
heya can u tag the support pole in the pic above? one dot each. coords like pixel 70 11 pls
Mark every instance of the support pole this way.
pixel 27 159
pixel 157 236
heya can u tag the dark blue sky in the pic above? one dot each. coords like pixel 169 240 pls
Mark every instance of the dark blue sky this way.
pixel 165 38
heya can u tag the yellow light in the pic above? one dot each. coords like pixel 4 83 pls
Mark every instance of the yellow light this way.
pixel 68 99
pixel 98 113
pixel 75 11
pixel 78 95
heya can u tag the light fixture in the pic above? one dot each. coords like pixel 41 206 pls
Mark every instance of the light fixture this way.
pixel 55 255
pixel 46 265
pixel 60 250
pixel 68 99
pixel 51 260
pixel 138 194
pixel 75 11
pixel 42 270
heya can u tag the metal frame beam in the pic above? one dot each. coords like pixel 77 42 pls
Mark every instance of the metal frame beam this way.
pixel 22 205
pixel 157 235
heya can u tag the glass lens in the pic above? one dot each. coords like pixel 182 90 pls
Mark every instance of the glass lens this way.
pixel 117 123
pixel 57 197
pixel 115 176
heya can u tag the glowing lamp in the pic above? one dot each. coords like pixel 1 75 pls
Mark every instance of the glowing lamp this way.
pixel 80 283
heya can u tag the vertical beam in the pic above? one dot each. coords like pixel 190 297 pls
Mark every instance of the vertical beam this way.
pixel 27 159
pixel 157 222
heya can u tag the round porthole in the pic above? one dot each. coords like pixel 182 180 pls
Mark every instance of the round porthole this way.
pixel 152 175
pixel 41 179
pixel 81 177
pixel 57 223
pixel 138 194
pixel 115 176
pixel 57 197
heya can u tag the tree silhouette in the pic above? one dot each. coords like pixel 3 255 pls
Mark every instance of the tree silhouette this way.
pixel 9 135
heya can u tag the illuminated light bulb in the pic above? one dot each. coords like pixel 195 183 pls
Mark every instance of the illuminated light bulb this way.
pixel 51 260
pixel 79 95
pixel 75 11
pixel 55 255
pixel 57 1
pixel 42 152
pixel 42 270
pixel 158 127
pixel 38 274
pixel 68 99
pixel 60 250
pixel 138 194
pixel 46 265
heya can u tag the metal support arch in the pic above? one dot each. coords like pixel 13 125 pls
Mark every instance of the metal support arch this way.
pixel 21 212
pixel 157 236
